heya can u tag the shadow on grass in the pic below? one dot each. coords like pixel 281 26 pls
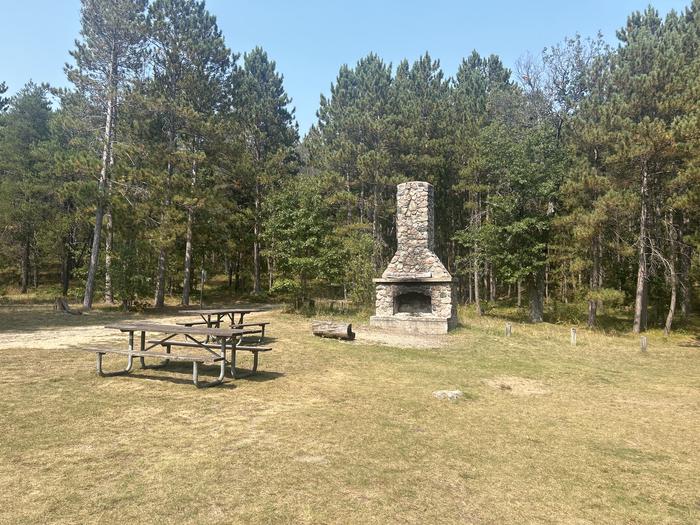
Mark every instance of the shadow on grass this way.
pixel 206 374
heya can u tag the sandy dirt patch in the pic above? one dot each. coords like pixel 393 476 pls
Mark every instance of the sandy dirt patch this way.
pixel 518 386
pixel 368 335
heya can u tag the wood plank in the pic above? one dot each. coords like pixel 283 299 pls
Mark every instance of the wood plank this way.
pixel 173 357
pixel 221 311
pixel 129 326
pixel 188 344
pixel 254 348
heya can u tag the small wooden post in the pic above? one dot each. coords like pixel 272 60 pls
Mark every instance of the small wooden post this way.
pixel 573 337
pixel 509 329
pixel 643 343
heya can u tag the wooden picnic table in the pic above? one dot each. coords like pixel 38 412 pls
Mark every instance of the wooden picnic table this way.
pixel 227 339
pixel 220 313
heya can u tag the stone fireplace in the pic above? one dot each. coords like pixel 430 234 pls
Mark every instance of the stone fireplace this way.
pixel 415 292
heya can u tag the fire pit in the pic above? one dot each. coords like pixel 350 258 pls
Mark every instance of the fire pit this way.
pixel 415 292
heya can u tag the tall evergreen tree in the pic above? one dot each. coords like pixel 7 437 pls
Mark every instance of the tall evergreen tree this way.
pixel 270 134
pixel 190 66
pixel 25 184
pixel 108 56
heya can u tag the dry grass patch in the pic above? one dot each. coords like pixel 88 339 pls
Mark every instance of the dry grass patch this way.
pixel 333 432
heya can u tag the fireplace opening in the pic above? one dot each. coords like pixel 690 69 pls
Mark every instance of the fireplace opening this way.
pixel 413 303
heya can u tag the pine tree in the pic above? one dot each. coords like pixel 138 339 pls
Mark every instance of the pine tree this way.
pixel 3 101
pixel 191 65
pixel 109 55
pixel 25 185
pixel 270 134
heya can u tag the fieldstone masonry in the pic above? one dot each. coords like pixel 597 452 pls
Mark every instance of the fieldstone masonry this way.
pixel 415 292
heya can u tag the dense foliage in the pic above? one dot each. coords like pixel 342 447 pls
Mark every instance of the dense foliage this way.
pixel 575 179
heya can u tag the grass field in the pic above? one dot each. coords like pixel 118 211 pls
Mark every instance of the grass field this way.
pixel 337 432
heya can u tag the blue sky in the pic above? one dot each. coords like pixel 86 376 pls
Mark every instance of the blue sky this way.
pixel 310 40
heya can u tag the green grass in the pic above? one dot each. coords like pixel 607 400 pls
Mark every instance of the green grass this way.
pixel 337 432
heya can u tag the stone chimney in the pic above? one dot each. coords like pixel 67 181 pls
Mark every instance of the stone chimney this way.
pixel 415 292
pixel 415 233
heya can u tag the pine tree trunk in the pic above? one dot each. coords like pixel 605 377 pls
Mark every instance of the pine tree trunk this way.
pixel 520 293
pixel 492 284
pixel 160 279
pixel 229 270
pixel 673 275
pixel 477 298
pixel 594 281
pixel 349 195
pixel 24 283
pixel 536 294
pixel 237 273
pixel 187 281
pixel 159 301
pixel 470 288
pixel 640 303
pixel 685 253
pixel 103 184
pixel 674 295
pixel 256 241
pixel 109 238
pixel 270 272
pixel 66 270
pixel 35 268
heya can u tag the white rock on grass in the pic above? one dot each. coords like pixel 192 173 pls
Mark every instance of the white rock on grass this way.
pixel 452 395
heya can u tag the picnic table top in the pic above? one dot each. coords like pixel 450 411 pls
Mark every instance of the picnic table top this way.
pixel 214 311
pixel 137 326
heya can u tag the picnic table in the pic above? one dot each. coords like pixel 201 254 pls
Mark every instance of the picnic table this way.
pixel 212 352
pixel 213 317
pixel 219 314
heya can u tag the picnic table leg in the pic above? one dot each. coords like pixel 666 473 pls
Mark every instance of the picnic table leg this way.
pixel 143 359
pixel 233 362
pixel 129 363
pixel 222 370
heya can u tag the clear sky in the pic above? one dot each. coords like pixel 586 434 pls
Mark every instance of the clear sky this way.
pixel 311 39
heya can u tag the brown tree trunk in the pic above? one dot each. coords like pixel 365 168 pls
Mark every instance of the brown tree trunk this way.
pixel 594 281
pixel 673 275
pixel 237 273
pixel 536 294
pixel 685 255
pixel 256 241
pixel 187 281
pixel 270 273
pixel 159 301
pixel 24 283
pixel 520 293
pixel 103 184
pixel 160 278
pixel 640 303
pixel 477 298
pixel 109 238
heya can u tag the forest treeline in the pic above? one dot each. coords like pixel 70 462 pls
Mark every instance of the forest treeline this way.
pixel 575 177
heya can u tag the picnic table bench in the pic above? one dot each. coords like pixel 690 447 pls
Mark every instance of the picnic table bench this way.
pixel 227 339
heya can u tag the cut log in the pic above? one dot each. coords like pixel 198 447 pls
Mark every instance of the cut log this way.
pixel 61 305
pixel 333 330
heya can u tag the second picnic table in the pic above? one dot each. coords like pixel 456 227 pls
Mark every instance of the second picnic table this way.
pixel 213 317
pixel 219 314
